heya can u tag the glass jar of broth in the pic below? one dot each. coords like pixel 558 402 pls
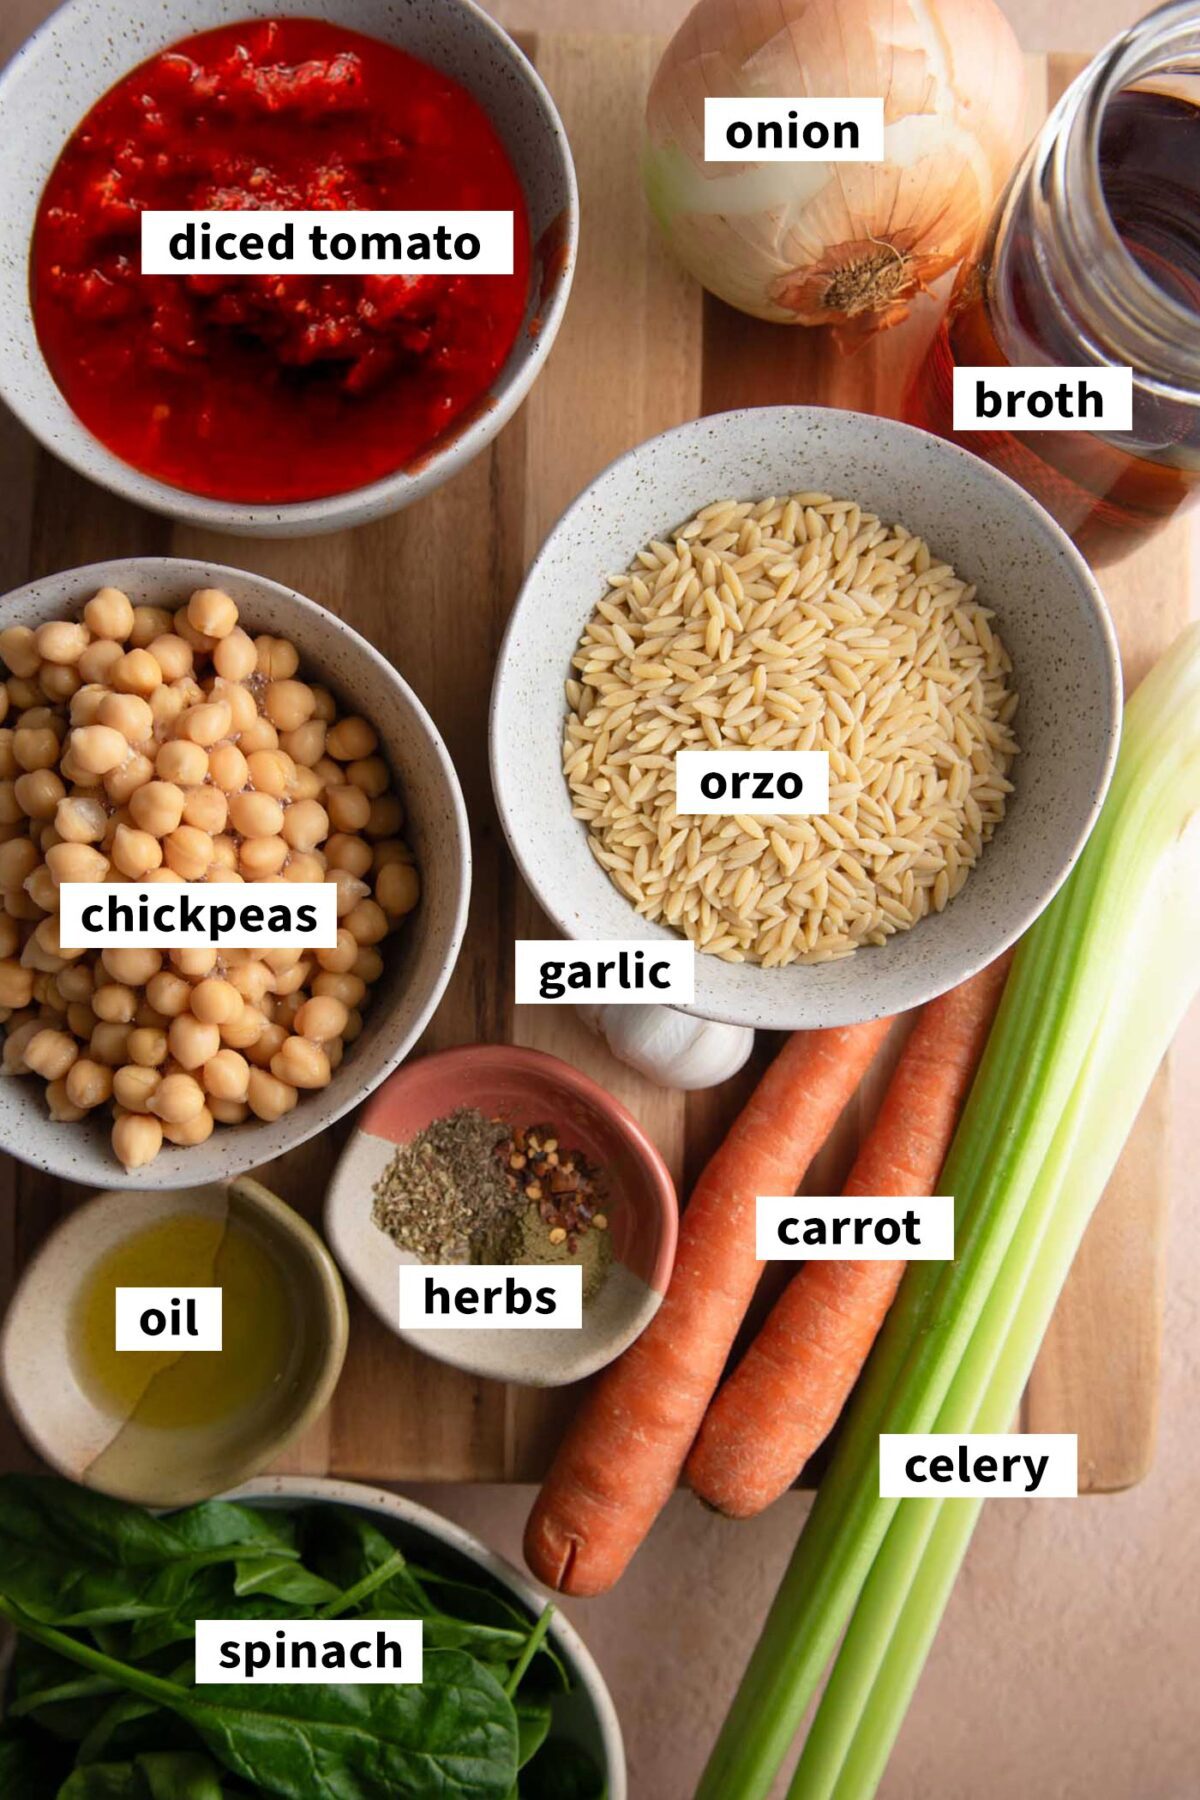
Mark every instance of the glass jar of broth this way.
pixel 1093 257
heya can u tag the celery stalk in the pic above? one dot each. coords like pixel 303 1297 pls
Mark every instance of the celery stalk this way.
pixel 1066 1022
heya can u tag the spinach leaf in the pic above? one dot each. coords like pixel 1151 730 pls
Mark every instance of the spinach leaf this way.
pixel 159 1775
pixel 563 1770
pixel 533 1728
pixel 103 1781
pixel 283 1579
pixel 73 1557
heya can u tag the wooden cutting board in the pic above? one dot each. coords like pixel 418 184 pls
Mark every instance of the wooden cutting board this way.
pixel 641 349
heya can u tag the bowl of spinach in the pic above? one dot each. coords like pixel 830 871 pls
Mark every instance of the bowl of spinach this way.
pixel 99 1698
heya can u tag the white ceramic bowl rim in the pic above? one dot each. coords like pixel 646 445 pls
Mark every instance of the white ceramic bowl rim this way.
pixel 330 1490
pixel 317 1112
pixel 572 889
pixel 29 389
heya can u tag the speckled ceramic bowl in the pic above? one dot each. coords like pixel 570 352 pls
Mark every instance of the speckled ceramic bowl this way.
pixel 83 1436
pixel 1049 611
pixel 526 1087
pixel 420 957
pixel 586 1716
pixel 88 45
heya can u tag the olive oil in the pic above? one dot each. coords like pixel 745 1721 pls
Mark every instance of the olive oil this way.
pixel 173 1389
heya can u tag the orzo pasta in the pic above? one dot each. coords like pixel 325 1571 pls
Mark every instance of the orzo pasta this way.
pixel 796 624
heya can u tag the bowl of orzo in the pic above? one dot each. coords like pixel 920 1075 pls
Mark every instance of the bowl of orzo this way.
pixel 806 579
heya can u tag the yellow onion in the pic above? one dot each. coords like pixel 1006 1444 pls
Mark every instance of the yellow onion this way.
pixel 812 243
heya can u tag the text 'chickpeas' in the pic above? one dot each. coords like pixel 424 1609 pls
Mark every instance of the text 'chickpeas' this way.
pixel 140 744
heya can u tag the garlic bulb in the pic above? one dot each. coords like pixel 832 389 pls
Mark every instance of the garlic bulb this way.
pixel 668 1047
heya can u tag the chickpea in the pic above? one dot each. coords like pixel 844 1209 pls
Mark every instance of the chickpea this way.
pixel 181 762
pixel 260 858
pixel 135 1085
pixel 80 1018
pixel 228 1112
pixel 277 659
pixel 148 1018
pixel 292 980
pixel 385 817
pixel 189 852
pixel 306 744
pixel 269 1096
pixel 301 1064
pixel 51 1053
pixel 148 1046
pixel 8 761
pixel 136 673
pixel 368 965
pixel 136 968
pixel 339 960
pixel 390 851
pixel 60 1106
pixel 348 808
pixel 135 852
pixel 228 769
pixel 350 890
pixel 207 809
pixel 61 642
pixel 256 815
pixel 115 1004
pixel 19 652
pixel 226 1076
pixel 305 824
pixel 345 851
pixel 206 723
pixel 177 1098
pixel 260 735
pixel 307 785
pixel 129 714
pixel 137 1139
pixel 23 693
pixel 109 614
pixel 97 749
pixel 304 865
pixel 173 656
pixel 109 1043
pixel 17 1040
pixel 157 807
pixel 88 1084
pixel 191 1042
pixel 203 645
pixel 21 906
pixel 244 1031
pixel 76 862
pixel 212 612
pixel 98 661
pixel 322 1018
pixel 350 739
pixel 270 772
pixel 397 888
pixel 324 706
pixel 225 855
pixel 10 806
pixel 195 964
pixel 371 775
pixel 77 983
pixel 36 746
pixel 16 984
pixel 167 704
pixel 18 858
pixel 251 980
pixel 349 989
pixel 215 1002
pixel 124 782
pixel 86 703
pixel 42 889
pixel 239 700
pixel 10 934
pixel 269 1040
pixel 59 682
pixel 235 658
pixel 80 821
pixel 195 1131
pixel 39 792
pixel 288 703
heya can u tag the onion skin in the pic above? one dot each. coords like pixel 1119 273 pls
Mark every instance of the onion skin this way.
pixel 834 243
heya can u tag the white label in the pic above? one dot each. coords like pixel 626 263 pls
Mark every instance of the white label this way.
pixel 789 130
pixel 942 1465
pixel 490 1296
pixel 198 915
pixel 235 1652
pixel 854 1228
pixel 619 971
pixel 780 783
pixel 323 243
pixel 168 1318
pixel 1071 397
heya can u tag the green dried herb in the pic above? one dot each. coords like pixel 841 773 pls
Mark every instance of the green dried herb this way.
pixel 443 1196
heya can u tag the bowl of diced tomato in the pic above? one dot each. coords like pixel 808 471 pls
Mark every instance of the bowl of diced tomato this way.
pixel 252 400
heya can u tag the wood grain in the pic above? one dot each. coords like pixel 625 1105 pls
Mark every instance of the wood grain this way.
pixel 641 349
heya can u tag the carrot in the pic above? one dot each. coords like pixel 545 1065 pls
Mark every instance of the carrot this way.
pixel 622 1456
pixel 784 1397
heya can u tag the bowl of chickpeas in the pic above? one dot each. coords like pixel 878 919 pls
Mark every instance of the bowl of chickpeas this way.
pixel 172 721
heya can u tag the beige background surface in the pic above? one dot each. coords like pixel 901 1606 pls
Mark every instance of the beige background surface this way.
pixel 1068 1662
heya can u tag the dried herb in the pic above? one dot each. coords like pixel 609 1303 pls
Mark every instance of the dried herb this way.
pixel 443 1196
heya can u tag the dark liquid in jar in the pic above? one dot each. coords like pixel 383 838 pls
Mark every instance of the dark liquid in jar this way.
pixel 1106 493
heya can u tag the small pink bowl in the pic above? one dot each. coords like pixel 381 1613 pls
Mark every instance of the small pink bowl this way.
pixel 525 1087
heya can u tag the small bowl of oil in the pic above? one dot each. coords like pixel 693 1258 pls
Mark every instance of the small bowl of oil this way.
pixel 168 1426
